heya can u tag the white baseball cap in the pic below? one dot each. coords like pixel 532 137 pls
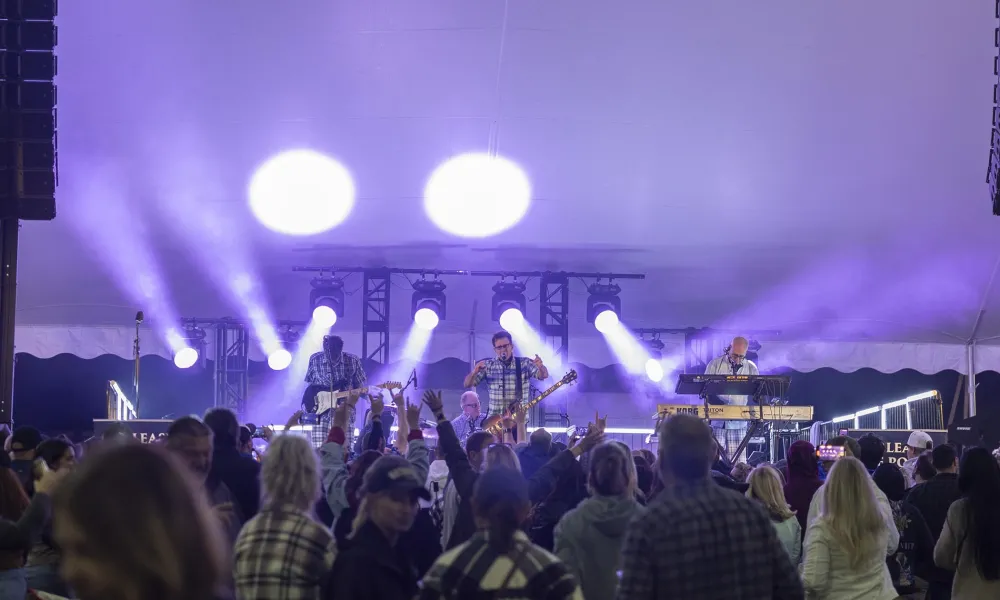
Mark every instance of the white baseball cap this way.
pixel 920 440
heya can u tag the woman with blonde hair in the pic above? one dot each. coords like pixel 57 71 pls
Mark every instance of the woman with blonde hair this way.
pixel 844 553
pixel 133 525
pixel 502 455
pixel 766 488
pixel 283 552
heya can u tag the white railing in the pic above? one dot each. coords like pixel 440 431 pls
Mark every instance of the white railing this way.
pixel 120 408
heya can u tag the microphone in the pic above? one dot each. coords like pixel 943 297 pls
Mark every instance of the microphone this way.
pixel 138 317
pixel 413 376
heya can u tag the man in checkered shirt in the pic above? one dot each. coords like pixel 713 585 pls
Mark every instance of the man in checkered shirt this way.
pixel 698 540
pixel 500 374
pixel 333 366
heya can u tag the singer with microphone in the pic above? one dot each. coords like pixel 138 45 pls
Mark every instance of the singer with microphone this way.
pixel 733 362
pixel 508 377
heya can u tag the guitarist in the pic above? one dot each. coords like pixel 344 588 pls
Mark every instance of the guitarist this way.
pixel 508 377
pixel 332 368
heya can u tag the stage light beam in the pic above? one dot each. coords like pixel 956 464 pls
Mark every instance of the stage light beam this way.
pixel 654 370
pixel 185 358
pixel 512 319
pixel 605 321
pixel 279 360
pixel 426 319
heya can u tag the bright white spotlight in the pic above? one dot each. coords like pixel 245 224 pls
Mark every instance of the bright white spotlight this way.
pixel 301 192
pixel 477 195
pixel 426 318
pixel 653 370
pixel 324 316
pixel 185 358
pixel 511 319
pixel 605 321
pixel 279 359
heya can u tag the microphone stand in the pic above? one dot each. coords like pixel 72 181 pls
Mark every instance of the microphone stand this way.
pixel 135 358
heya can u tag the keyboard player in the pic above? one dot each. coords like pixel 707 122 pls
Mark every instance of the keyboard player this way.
pixel 733 362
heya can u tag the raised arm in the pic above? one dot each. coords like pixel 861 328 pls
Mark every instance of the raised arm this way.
pixel 459 469
pixel 332 464
pixel 477 374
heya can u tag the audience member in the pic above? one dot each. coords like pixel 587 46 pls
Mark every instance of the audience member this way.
pixel 500 561
pixel 644 476
pixel 588 538
pixel 133 526
pixel 239 473
pixel 42 565
pixel 969 543
pixel 282 552
pixel 740 472
pixel 23 442
pixel 923 469
pixel 872 451
pixel 803 480
pixel 916 546
pixel 846 544
pixel 538 452
pixel 918 443
pixel 21 521
pixel 191 441
pixel 457 515
pixel 933 499
pixel 697 539
pixel 765 487
pixel 370 564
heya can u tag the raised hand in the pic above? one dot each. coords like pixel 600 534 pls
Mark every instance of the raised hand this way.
pixel 538 361
pixel 600 423
pixel 480 366
pixel 291 422
pixel 397 399
pixel 433 401
pixel 352 398
pixel 340 416
pixel 594 436
pixel 413 415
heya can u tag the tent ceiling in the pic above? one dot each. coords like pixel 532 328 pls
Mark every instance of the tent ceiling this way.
pixel 811 167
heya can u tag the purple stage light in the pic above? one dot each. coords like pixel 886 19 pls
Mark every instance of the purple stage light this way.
pixel 654 370
pixel 279 360
pixel 185 358
pixel 477 195
pixel 605 321
pixel 301 192
pixel 325 316
pixel 512 319
pixel 426 319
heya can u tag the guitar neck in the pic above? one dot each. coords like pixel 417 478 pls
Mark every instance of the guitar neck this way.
pixel 542 396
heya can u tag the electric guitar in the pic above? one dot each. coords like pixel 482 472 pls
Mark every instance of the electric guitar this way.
pixel 494 424
pixel 327 401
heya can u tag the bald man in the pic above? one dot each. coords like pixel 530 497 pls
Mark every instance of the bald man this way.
pixel 471 419
pixel 697 539
pixel 733 362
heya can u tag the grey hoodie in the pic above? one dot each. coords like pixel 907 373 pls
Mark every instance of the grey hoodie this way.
pixel 588 539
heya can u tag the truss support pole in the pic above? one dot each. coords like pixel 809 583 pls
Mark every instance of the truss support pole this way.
pixel 232 364
pixel 8 298
pixel 553 301
pixel 375 320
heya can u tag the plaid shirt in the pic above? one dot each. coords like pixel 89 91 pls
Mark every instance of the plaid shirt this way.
pixel 704 542
pixel 346 371
pixel 464 426
pixel 282 554
pixel 475 570
pixel 501 379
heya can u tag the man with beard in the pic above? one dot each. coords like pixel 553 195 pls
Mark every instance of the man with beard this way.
pixel 332 368
pixel 191 440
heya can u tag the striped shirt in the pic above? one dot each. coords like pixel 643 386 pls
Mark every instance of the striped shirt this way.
pixel 475 570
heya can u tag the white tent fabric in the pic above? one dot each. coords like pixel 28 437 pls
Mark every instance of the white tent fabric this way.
pixel 89 342
pixel 815 168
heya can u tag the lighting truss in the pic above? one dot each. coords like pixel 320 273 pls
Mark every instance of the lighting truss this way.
pixel 375 317
pixel 993 169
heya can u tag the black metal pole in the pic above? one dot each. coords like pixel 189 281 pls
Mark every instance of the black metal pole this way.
pixel 9 230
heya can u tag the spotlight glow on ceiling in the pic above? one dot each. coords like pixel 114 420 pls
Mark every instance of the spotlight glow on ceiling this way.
pixel 477 195
pixel 301 192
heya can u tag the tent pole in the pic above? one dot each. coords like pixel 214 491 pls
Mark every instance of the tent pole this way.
pixel 970 352
pixel 8 298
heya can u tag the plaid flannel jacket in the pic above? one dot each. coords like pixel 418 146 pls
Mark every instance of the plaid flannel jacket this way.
pixel 704 542
pixel 320 372
pixel 501 379
pixel 474 570
pixel 282 554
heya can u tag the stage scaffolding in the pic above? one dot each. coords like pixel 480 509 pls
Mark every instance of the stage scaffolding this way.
pixel 232 363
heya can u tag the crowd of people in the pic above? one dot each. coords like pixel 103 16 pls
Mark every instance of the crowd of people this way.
pixel 198 517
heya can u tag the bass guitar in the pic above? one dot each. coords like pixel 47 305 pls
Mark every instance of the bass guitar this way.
pixel 494 423
pixel 327 401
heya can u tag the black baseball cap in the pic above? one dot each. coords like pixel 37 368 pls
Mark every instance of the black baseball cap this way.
pixel 24 439
pixel 390 473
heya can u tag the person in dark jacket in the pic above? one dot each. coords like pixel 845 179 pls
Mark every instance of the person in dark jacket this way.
pixel 915 554
pixel 803 480
pixel 241 474
pixel 23 443
pixel 537 453
pixel 933 499
pixel 371 564
pixel 464 476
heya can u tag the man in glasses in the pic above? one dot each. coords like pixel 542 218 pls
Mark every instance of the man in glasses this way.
pixel 471 419
pixel 733 362
pixel 508 377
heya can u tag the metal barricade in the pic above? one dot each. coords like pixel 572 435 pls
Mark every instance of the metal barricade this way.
pixel 918 412
pixel 120 408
